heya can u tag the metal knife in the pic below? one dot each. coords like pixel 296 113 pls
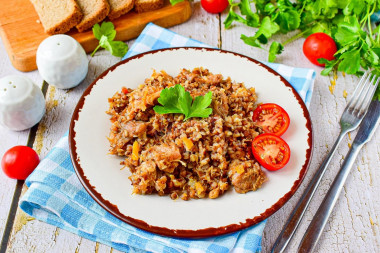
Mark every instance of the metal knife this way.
pixel 365 133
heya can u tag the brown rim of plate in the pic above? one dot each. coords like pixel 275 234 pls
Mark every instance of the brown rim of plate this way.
pixel 201 233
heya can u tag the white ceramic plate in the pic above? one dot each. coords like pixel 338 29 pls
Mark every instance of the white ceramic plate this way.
pixel 100 172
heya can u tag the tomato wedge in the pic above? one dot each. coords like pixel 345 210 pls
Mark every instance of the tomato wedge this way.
pixel 270 151
pixel 271 118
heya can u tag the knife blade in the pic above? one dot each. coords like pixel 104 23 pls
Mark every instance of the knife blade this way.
pixel 369 124
pixel 366 130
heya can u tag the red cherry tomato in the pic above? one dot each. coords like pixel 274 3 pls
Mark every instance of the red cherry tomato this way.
pixel 19 161
pixel 270 151
pixel 214 6
pixel 271 118
pixel 319 45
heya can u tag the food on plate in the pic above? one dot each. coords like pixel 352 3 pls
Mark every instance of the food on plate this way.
pixel 214 6
pixel 271 118
pixel 148 5
pixel 271 151
pixel 22 103
pixel 62 61
pixel 119 7
pixel 18 162
pixel 94 11
pixel 193 158
pixel 58 16
pixel 317 46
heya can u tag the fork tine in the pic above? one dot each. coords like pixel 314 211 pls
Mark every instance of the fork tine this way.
pixel 357 89
pixel 371 91
pixel 364 93
pixel 358 95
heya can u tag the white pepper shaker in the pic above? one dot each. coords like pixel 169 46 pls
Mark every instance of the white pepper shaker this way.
pixel 22 103
pixel 62 61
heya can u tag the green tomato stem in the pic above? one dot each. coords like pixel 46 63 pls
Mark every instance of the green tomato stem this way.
pixel 369 23
pixel 296 36
pixel 303 7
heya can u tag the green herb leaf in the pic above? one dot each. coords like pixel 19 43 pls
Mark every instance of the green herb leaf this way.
pixel 269 8
pixel 348 22
pixel 268 27
pixel 252 19
pixel 108 29
pixel 96 31
pixel 106 33
pixel 252 41
pixel 177 100
pixel 173 2
pixel 275 49
pixel 200 107
pixel 350 63
pixel 319 27
pixel 329 66
pixel 322 8
pixel 288 21
pixel 347 31
pixel 119 48
pixel 231 17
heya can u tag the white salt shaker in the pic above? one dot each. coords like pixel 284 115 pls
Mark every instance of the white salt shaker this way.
pixel 62 61
pixel 22 103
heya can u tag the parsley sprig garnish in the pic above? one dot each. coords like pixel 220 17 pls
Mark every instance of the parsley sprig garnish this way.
pixel 106 33
pixel 177 100
pixel 347 21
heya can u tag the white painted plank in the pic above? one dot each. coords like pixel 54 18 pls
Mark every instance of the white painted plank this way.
pixel 354 225
pixel 9 139
pixel 60 104
pixel 202 26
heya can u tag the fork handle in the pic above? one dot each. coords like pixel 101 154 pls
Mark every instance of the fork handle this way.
pixel 315 229
pixel 296 215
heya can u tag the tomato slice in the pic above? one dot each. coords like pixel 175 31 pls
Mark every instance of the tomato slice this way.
pixel 271 118
pixel 270 151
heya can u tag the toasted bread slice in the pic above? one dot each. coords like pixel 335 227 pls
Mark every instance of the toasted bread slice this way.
pixel 94 11
pixel 119 7
pixel 148 5
pixel 57 16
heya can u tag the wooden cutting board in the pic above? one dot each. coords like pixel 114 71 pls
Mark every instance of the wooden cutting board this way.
pixel 21 31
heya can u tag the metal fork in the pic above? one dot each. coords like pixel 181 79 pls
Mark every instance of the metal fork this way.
pixel 352 116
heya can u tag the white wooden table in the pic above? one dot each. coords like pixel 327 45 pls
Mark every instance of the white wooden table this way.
pixel 353 226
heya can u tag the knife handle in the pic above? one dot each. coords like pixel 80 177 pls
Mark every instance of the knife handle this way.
pixel 315 229
pixel 296 215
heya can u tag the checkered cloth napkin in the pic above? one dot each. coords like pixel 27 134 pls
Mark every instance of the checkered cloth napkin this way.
pixel 56 196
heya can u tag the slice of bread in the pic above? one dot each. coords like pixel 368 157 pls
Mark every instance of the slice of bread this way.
pixel 94 11
pixel 57 16
pixel 148 5
pixel 119 7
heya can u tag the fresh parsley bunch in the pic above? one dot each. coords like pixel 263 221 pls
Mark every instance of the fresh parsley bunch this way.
pixel 177 100
pixel 106 33
pixel 348 22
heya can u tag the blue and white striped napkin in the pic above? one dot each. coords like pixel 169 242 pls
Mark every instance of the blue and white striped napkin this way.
pixel 56 196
